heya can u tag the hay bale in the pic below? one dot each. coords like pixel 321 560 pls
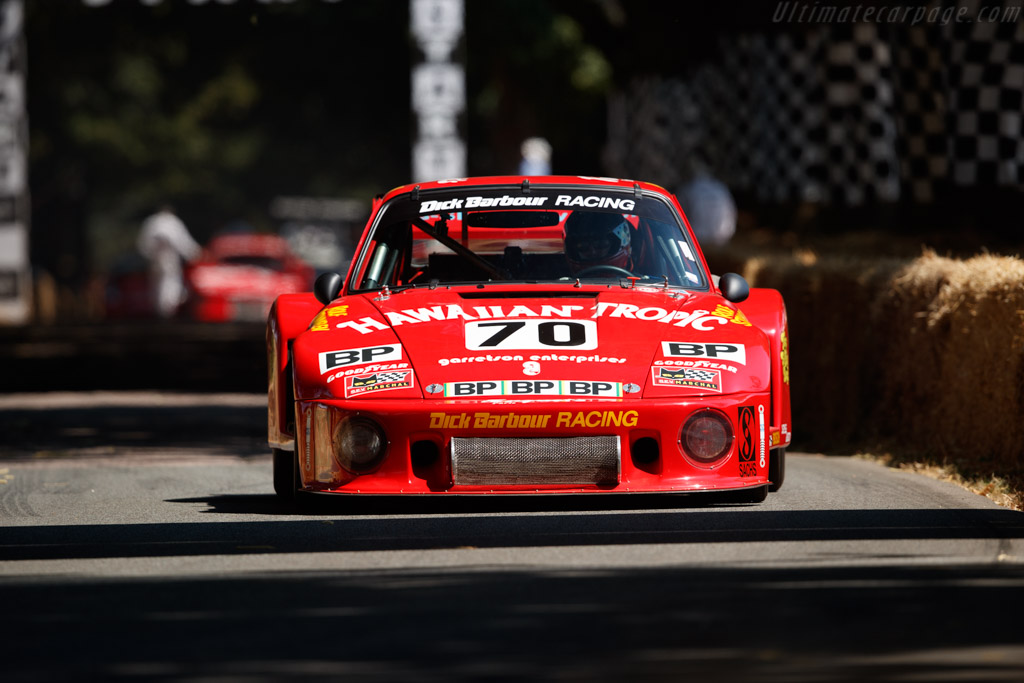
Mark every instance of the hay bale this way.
pixel 833 337
pixel 957 383
pixel 925 356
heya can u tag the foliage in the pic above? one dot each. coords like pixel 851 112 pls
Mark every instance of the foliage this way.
pixel 218 108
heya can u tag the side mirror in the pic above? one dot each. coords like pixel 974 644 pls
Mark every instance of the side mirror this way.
pixel 327 287
pixel 734 287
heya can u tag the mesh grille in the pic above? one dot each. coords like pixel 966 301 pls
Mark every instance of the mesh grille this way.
pixel 568 461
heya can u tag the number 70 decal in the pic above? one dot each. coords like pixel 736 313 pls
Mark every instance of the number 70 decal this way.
pixel 483 335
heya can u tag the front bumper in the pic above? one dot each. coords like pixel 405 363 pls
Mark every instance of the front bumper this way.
pixel 418 458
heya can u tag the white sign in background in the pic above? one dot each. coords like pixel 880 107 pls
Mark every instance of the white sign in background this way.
pixel 438 90
pixel 15 279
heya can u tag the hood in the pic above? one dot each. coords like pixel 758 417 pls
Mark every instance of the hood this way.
pixel 589 342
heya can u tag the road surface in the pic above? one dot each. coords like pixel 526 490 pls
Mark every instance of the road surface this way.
pixel 140 540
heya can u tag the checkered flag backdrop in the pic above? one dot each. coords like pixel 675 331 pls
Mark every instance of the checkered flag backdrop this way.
pixel 838 113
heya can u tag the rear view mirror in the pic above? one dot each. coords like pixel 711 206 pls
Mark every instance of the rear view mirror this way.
pixel 734 287
pixel 327 287
pixel 512 219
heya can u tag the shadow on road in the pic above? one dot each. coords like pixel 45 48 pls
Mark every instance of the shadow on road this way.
pixel 239 430
pixel 481 530
pixel 671 624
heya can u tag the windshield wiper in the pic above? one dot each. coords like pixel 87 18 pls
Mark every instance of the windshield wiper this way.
pixel 442 236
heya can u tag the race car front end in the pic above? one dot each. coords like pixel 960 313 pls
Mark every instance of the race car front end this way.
pixel 661 392
pixel 565 446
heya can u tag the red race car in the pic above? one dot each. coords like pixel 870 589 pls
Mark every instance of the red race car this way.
pixel 541 335
pixel 239 275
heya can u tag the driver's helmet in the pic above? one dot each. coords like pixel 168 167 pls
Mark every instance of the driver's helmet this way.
pixel 598 239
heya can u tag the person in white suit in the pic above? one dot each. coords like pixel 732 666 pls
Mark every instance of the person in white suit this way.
pixel 167 244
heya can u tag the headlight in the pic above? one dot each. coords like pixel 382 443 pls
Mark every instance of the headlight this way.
pixel 359 444
pixel 706 437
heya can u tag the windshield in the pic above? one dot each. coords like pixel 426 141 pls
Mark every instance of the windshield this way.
pixel 479 235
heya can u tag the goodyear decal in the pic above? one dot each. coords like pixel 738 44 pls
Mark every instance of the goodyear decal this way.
pixel 365 369
pixel 533 387
pixel 697 364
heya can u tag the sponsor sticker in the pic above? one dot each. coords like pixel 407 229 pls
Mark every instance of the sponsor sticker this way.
pixel 745 446
pixel 784 356
pixel 329 360
pixel 736 353
pixel 366 369
pixel 681 363
pixel 697 378
pixel 580 419
pixel 760 421
pixel 595 202
pixel 356 385
pixel 476 202
pixel 733 316
pixel 533 387
pixel 321 322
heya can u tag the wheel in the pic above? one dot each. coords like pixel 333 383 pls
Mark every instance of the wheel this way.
pixel 776 468
pixel 611 269
pixel 286 474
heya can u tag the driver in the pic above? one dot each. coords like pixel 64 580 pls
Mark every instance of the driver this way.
pixel 598 239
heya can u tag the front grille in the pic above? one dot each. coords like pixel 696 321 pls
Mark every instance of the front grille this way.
pixel 565 461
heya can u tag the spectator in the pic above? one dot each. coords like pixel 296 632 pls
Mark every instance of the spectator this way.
pixel 536 157
pixel 709 207
pixel 167 244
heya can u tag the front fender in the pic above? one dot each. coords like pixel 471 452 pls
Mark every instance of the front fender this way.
pixel 766 309
pixel 289 317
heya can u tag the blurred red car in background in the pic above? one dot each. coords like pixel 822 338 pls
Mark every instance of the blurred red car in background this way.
pixel 238 277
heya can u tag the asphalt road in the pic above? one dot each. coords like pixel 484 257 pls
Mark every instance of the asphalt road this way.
pixel 140 540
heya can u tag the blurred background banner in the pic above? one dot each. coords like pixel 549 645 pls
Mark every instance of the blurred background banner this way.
pixel 15 272
pixel 438 89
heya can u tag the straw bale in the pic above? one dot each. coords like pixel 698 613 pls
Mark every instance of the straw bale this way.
pixel 830 302
pixel 957 384
pixel 926 354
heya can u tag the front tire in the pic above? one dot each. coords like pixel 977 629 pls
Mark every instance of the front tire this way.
pixel 286 474
pixel 776 468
